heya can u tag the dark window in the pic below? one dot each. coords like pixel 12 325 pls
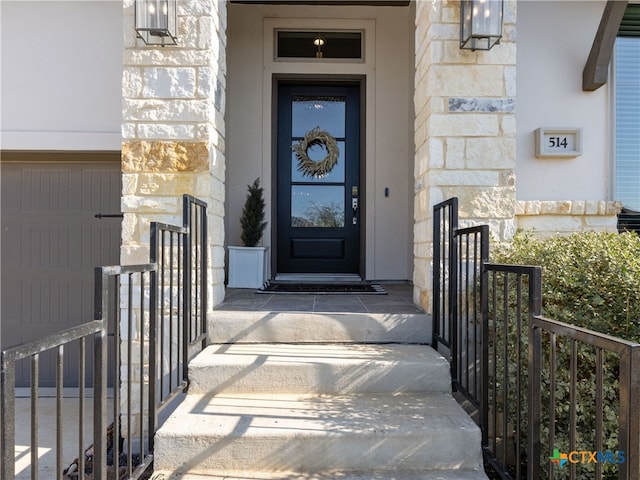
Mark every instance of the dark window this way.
pixel 319 44
pixel 630 26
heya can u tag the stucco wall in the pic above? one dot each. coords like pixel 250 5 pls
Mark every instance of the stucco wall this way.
pixel 61 67
pixel 389 118
pixel 554 39
pixel 562 195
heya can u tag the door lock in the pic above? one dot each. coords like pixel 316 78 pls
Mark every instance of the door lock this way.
pixel 354 206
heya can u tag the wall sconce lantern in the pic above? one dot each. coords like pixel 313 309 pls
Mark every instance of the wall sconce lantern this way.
pixel 156 21
pixel 480 24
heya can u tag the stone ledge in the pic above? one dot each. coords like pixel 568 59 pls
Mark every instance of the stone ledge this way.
pixel 550 218
pixel 568 207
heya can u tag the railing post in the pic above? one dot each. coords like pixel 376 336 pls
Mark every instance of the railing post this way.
pixel 535 292
pixel 484 335
pixel 153 356
pixel 534 374
pixel 634 419
pixel 629 437
pixel 437 276
pixel 8 397
pixel 101 303
pixel 452 316
pixel 187 253
pixel 535 399
pixel 204 286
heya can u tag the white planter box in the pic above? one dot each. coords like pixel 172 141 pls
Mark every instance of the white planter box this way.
pixel 248 267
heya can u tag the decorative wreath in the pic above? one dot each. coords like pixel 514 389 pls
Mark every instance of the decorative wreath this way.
pixel 322 167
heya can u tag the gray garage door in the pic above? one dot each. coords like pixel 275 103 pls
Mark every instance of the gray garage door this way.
pixel 51 242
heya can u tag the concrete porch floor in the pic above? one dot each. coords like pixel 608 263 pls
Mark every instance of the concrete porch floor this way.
pixel 398 300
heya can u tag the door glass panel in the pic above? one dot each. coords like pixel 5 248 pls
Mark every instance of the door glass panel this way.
pixel 317 206
pixel 318 153
pixel 328 113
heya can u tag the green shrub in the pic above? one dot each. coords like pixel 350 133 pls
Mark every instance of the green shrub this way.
pixel 588 279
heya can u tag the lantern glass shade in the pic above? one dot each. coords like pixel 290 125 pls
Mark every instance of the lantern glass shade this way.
pixel 480 24
pixel 156 21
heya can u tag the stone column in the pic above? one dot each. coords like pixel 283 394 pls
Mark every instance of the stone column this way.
pixel 173 136
pixel 173 101
pixel 464 130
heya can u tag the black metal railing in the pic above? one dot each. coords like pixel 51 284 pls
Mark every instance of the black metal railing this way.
pixel 513 298
pixel 445 222
pixel 155 315
pixel 196 262
pixel 532 395
pixel 91 332
pixel 584 393
pixel 467 330
pixel 125 296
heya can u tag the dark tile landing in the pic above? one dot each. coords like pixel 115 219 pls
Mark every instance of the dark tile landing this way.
pixel 399 299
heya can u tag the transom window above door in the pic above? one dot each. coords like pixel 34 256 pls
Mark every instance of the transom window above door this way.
pixel 318 44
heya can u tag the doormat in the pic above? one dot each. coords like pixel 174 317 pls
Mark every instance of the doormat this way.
pixel 323 288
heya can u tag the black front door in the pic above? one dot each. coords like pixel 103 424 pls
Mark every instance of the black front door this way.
pixel 318 196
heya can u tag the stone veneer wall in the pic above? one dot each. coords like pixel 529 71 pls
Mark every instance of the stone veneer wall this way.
pixel 173 130
pixel 464 130
pixel 548 218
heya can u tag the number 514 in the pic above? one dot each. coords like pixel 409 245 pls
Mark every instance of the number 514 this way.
pixel 557 142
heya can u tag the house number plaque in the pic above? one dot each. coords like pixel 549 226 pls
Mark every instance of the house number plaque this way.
pixel 558 142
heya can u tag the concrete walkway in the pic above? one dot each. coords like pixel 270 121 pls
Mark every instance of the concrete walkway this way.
pixel 46 433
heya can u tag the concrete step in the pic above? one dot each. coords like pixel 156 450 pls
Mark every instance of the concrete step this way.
pixel 329 327
pixel 332 475
pixel 319 369
pixel 390 434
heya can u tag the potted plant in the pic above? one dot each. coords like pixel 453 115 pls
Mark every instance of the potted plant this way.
pixel 248 264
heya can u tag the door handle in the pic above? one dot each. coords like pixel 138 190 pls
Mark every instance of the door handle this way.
pixel 354 207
